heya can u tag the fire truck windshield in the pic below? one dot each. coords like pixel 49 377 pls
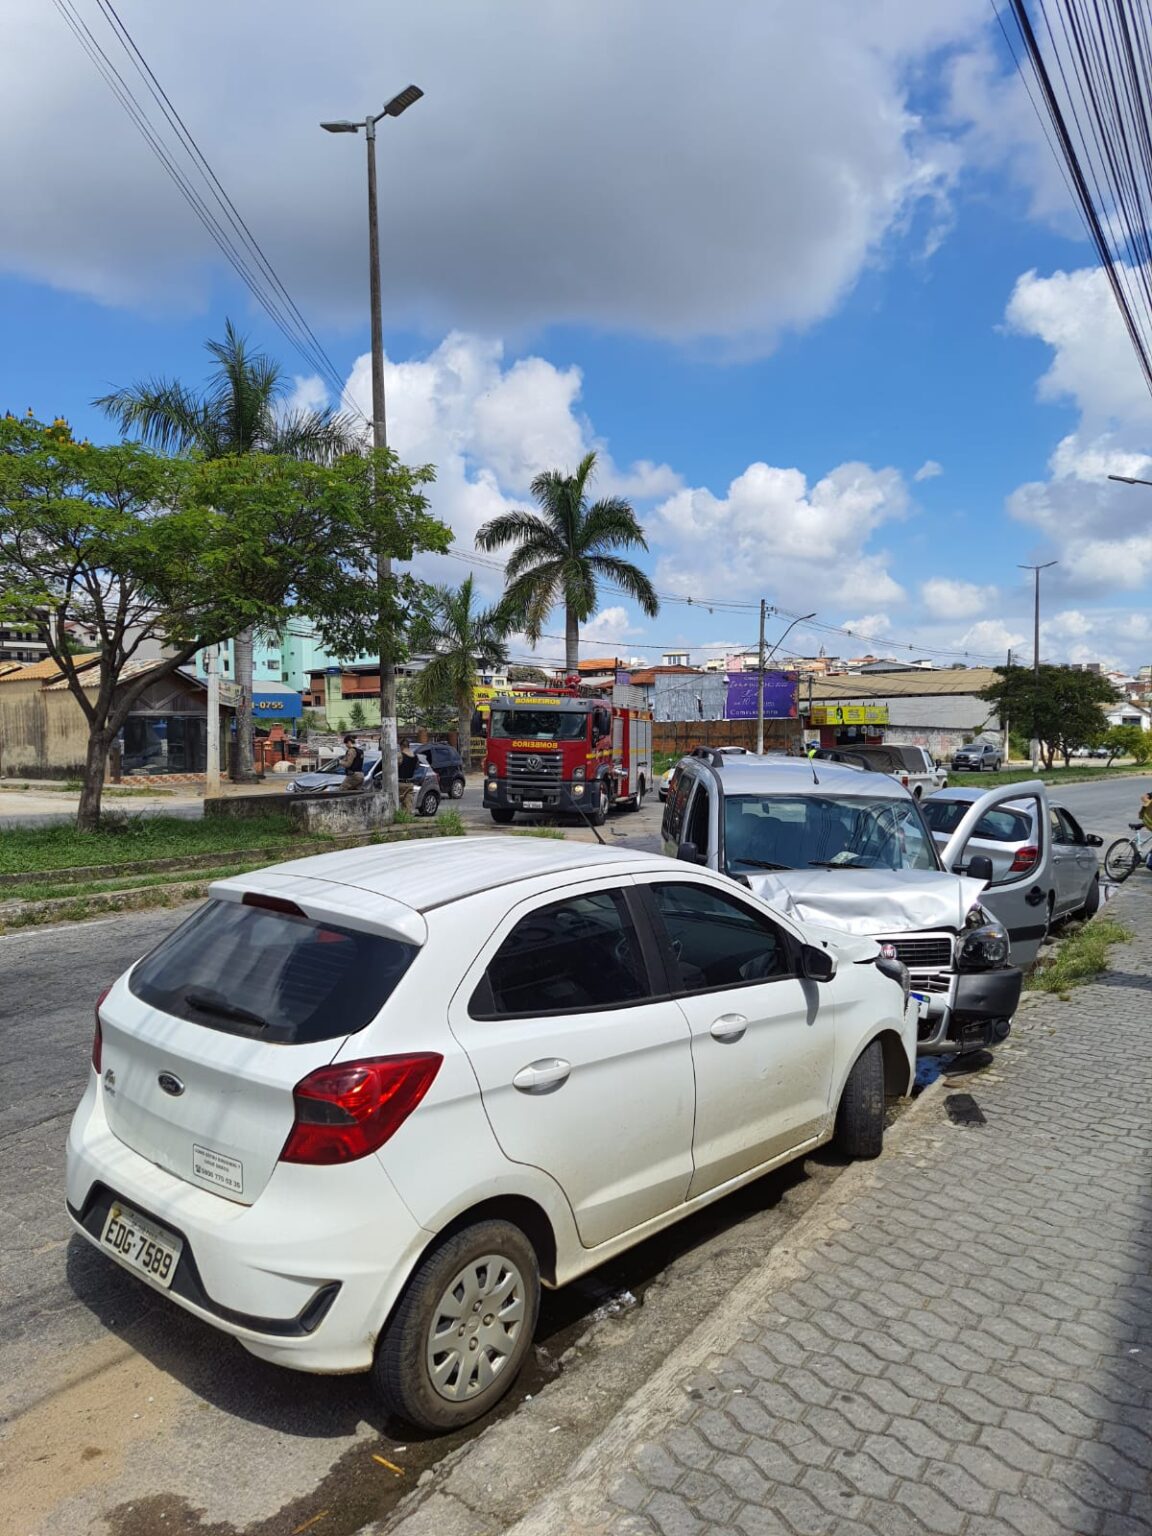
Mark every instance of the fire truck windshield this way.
pixel 538 725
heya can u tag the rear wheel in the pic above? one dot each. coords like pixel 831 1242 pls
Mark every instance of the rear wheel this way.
pixel 456 789
pixel 638 799
pixel 1121 859
pixel 860 1118
pixel 502 817
pixel 462 1330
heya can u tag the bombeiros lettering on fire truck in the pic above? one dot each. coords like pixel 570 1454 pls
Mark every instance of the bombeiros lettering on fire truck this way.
pixel 565 753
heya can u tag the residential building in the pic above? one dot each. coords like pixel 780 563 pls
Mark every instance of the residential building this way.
pixel 21 642
pixel 1128 713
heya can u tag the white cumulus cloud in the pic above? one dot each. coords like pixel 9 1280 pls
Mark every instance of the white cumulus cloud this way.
pixel 928 470
pixel 946 598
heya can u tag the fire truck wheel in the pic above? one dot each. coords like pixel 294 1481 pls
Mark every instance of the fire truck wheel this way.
pixel 502 817
pixel 638 798
pixel 600 814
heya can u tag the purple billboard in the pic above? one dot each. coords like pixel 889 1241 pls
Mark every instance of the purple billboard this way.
pixel 779 695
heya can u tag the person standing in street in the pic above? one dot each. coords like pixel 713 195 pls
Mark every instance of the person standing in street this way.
pixel 405 774
pixel 353 764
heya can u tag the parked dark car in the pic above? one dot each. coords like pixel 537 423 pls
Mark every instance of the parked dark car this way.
pixel 448 764
pixel 977 756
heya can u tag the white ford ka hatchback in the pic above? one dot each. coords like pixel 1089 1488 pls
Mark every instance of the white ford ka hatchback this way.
pixel 358 1108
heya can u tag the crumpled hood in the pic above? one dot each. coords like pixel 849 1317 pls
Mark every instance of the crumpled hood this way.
pixel 870 901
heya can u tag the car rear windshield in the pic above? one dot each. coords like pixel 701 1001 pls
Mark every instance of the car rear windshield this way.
pixel 271 975
pixel 998 825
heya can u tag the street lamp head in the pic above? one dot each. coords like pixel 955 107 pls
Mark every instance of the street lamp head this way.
pixel 403 100
pixel 344 127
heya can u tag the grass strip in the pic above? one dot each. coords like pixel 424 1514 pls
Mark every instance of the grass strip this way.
pixel 1082 956
pixel 122 838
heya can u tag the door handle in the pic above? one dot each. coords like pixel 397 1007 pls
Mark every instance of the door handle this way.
pixel 1035 896
pixel 543 1076
pixel 728 1028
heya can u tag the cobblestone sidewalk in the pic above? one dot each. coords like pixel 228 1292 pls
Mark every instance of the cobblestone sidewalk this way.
pixel 960 1341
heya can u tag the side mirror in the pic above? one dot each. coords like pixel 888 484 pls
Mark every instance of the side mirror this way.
pixel 816 964
pixel 1094 840
pixel 980 868
pixel 688 853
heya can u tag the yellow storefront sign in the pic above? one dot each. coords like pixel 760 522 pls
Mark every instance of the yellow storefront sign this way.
pixel 483 695
pixel 849 714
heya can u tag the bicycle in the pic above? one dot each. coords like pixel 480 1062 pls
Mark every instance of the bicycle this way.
pixel 1127 852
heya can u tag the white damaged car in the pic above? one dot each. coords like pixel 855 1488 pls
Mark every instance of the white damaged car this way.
pixel 833 843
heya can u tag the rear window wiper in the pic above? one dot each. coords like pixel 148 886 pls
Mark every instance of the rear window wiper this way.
pixel 207 1003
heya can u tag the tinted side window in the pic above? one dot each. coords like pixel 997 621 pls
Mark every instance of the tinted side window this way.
pixel 578 955
pixel 677 802
pixel 718 941
pixel 696 827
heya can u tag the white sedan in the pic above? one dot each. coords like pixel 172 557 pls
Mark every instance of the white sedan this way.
pixel 357 1109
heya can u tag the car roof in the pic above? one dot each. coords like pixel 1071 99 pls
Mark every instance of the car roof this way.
pixel 424 874
pixel 774 773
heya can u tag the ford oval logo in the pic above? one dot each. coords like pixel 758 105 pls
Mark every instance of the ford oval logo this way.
pixel 171 1084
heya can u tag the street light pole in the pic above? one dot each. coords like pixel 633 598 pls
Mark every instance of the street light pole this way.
pixel 764 660
pixel 389 748
pixel 1036 569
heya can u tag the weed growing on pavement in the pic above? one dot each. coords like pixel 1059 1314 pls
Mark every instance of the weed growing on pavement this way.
pixel 451 824
pixel 121 837
pixel 45 890
pixel 555 832
pixel 1082 955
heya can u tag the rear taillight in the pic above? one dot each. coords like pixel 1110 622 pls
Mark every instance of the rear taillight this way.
pixel 1025 859
pixel 346 1111
pixel 98 1035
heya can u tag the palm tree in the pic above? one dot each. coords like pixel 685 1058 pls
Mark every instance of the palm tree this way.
pixel 562 554
pixel 241 410
pixel 461 637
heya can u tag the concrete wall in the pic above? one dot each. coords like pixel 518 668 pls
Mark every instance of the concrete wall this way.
pixel 335 815
pixel 42 734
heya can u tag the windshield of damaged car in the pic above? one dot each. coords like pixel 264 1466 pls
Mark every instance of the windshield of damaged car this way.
pixel 824 831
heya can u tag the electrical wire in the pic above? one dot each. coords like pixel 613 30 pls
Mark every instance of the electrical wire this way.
pixel 229 232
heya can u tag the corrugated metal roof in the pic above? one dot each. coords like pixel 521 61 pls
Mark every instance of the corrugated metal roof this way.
pixel 843 687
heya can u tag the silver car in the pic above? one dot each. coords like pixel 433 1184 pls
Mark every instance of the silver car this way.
pixel 1006 834
pixel 329 781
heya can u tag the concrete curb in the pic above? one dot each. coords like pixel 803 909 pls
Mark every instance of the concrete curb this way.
pixel 435 1511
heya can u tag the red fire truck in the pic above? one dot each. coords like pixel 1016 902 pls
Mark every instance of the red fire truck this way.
pixel 566 754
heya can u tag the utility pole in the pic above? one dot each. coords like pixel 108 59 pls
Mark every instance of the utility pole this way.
pixel 389 747
pixel 212 766
pixel 764 660
pixel 760 685
pixel 1036 569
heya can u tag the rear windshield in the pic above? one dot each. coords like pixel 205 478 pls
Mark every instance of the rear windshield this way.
pixel 998 825
pixel 270 975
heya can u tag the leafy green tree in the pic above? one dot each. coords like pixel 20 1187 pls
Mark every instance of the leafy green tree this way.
pixel 356 716
pixel 135 546
pixel 240 410
pixel 1061 708
pixel 1126 741
pixel 461 637
pixel 562 553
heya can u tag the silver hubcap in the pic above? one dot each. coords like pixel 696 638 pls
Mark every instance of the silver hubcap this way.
pixel 476 1327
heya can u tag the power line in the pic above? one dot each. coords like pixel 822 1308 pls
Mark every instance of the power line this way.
pixel 233 238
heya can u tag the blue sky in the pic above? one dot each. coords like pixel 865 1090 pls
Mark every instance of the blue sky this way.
pixel 770 269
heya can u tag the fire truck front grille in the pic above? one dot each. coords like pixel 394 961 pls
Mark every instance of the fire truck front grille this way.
pixel 528 769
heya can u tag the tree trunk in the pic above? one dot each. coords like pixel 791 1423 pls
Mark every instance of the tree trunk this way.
pixel 464 734
pixel 244 767
pixel 571 643
pixel 95 763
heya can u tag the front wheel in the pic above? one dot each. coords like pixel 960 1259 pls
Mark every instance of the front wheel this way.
pixel 1121 859
pixel 462 1330
pixel 1092 905
pixel 860 1118
pixel 430 803
pixel 502 818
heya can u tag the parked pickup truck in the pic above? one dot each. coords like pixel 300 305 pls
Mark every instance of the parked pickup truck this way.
pixel 835 843
pixel 914 767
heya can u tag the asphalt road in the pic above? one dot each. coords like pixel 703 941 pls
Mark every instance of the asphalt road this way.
pixel 124 1416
